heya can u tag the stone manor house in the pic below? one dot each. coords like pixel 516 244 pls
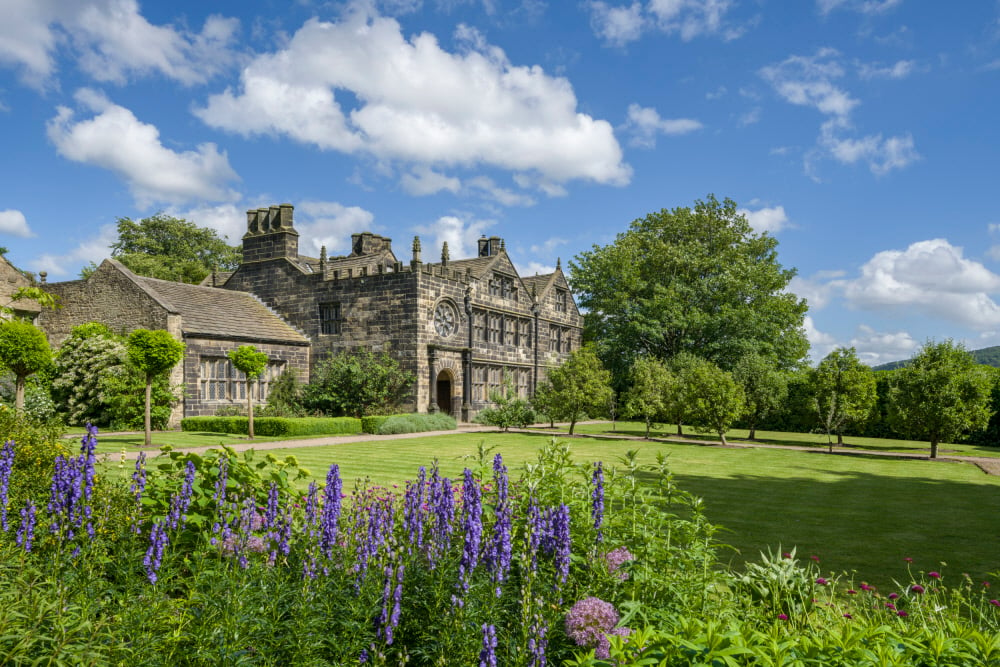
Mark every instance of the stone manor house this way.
pixel 459 325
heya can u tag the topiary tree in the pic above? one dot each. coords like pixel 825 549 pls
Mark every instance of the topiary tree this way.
pixel 251 362
pixel 154 353
pixel 579 387
pixel 716 399
pixel 24 350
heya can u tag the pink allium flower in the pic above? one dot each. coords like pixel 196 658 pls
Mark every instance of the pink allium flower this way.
pixel 588 621
pixel 603 650
pixel 889 605
pixel 821 581
pixel 848 616
pixel 815 558
pixel 782 617
pixel 866 587
pixel 986 584
pixel 908 559
pixel 995 603
pixel 616 558
pixel 934 575
pixel 893 596
pixel 786 555
pixel 917 588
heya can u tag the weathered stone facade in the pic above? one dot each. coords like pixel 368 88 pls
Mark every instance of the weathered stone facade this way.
pixel 460 326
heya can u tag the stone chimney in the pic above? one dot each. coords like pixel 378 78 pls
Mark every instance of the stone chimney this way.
pixel 270 234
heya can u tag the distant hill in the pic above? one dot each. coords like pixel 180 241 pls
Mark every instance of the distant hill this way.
pixel 988 356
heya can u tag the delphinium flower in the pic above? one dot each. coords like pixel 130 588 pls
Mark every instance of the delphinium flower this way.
pixel 311 531
pixel 472 528
pixel 271 512
pixel 181 500
pixel 499 552
pixel 538 528
pixel 158 541
pixel 562 541
pixel 331 511
pixel 537 641
pixel 597 499
pixel 615 559
pixel 392 595
pixel 65 497
pixel 26 532
pixel 443 508
pixel 413 510
pixel 589 620
pixel 488 653
pixel 6 468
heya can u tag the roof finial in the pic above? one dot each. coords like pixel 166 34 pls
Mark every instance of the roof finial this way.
pixel 558 264
pixel 444 254
pixel 503 245
pixel 416 250
pixel 322 258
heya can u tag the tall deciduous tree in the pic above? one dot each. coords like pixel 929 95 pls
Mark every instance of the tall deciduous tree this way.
pixel 581 386
pixel 940 394
pixel 716 399
pixel 24 350
pixel 172 248
pixel 251 362
pixel 843 392
pixel 646 398
pixel 764 386
pixel 153 353
pixel 696 279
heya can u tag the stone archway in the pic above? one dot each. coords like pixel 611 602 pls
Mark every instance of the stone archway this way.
pixel 445 390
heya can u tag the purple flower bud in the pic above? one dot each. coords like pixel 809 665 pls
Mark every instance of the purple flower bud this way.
pixel 597 499
pixel 472 527
pixel 6 468
pixel 26 533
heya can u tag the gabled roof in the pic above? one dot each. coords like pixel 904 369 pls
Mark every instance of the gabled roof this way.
pixel 478 266
pixel 217 313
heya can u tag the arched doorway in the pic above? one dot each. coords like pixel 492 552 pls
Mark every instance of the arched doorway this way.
pixel 444 389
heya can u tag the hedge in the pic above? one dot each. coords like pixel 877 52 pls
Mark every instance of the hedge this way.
pixel 417 423
pixel 274 426
pixel 372 423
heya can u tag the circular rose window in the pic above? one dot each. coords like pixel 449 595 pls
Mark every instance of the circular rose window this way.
pixel 445 319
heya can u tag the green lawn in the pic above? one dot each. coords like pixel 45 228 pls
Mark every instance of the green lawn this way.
pixel 113 444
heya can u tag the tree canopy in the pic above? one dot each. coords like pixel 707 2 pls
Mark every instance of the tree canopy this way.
pixel 764 386
pixel 843 392
pixel 580 387
pixel 153 353
pixel 940 394
pixel 689 279
pixel 248 360
pixel 170 248
pixel 24 350
pixel 357 383
pixel 715 399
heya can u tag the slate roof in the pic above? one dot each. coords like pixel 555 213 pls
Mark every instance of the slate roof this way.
pixel 478 265
pixel 540 283
pixel 220 313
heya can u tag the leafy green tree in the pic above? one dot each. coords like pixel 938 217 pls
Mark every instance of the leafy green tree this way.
pixel 153 353
pixel 508 408
pixel 541 401
pixel 172 248
pixel 843 392
pixel 764 386
pixel 356 384
pixel 24 350
pixel 940 394
pixel 716 399
pixel 89 355
pixel 646 398
pixel 697 280
pixel 284 397
pixel 579 387
pixel 251 362
pixel 676 399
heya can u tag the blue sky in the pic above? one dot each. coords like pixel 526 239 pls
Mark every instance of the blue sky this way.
pixel 863 134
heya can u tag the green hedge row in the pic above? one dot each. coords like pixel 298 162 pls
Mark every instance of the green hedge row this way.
pixel 372 423
pixel 274 426
pixel 417 423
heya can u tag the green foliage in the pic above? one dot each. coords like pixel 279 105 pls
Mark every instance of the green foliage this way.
pixel 153 352
pixel 357 383
pixel 121 390
pixel 764 386
pixel 508 409
pixel 417 423
pixel 371 423
pixel 715 400
pixel 274 426
pixel 843 392
pixel 24 350
pixel 86 358
pixel 580 387
pixel 284 398
pixel 171 248
pixel 697 280
pixel 37 442
pixel 651 385
pixel 249 361
pixel 940 394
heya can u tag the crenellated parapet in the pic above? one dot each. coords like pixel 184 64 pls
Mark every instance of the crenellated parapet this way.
pixel 270 234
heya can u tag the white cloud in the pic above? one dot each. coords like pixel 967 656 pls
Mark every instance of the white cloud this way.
pixel 462 237
pixel 821 343
pixel 862 6
pixel 326 223
pixel 644 123
pixel 111 40
pixel 818 289
pixel 881 155
pixel 879 347
pixel 900 70
pixel 13 222
pixel 770 219
pixel 422 180
pixel 228 220
pixel 618 25
pixel 417 104
pixel 931 277
pixel 549 246
pixel 116 140
pixel 485 186
pixel 95 249
pixel 535 269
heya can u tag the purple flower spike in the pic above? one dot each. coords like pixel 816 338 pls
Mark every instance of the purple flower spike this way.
pixel 597 500
pixel 6 468
pixel 472 526
pixel 158 541
pixel 26 533
pixel 499 553
pixel 331 511
pixel 563 544
pixel 488 655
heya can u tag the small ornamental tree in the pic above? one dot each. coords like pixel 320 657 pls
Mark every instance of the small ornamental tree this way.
pixel 508 409
pixel 764 387
pixel 716 399
pixel 356 384
pixel 646 398
pixel 579 387
pixel 154 353
pixel 843 392
pixel 251 362
pixel 940 394
pixel 676 403
pixel 24 350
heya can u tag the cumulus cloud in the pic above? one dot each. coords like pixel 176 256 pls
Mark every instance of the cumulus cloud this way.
pixel 95 249
pixel 462 237
pixel 618 25
pixel 116 140
pixel 228 220
pixel 644 124
pixel 13 222
pixel 817 289
pixel 900 70
pixel 770 219
pixel 820 343
pixel 359 86
pixel 812 81
pixel 111 40
pixel 330 224
pixel 422 180
pixel 879 347
pixel 931 277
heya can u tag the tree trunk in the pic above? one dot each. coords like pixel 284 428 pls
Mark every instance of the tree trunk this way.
pixel 722 436
pixel 19 393
pixel 572 425
pixel 647 428
pixel 680 431
pixel 249 409
pixel 753 433
pixel 840 439
pixel 148 422
pixel 934 444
